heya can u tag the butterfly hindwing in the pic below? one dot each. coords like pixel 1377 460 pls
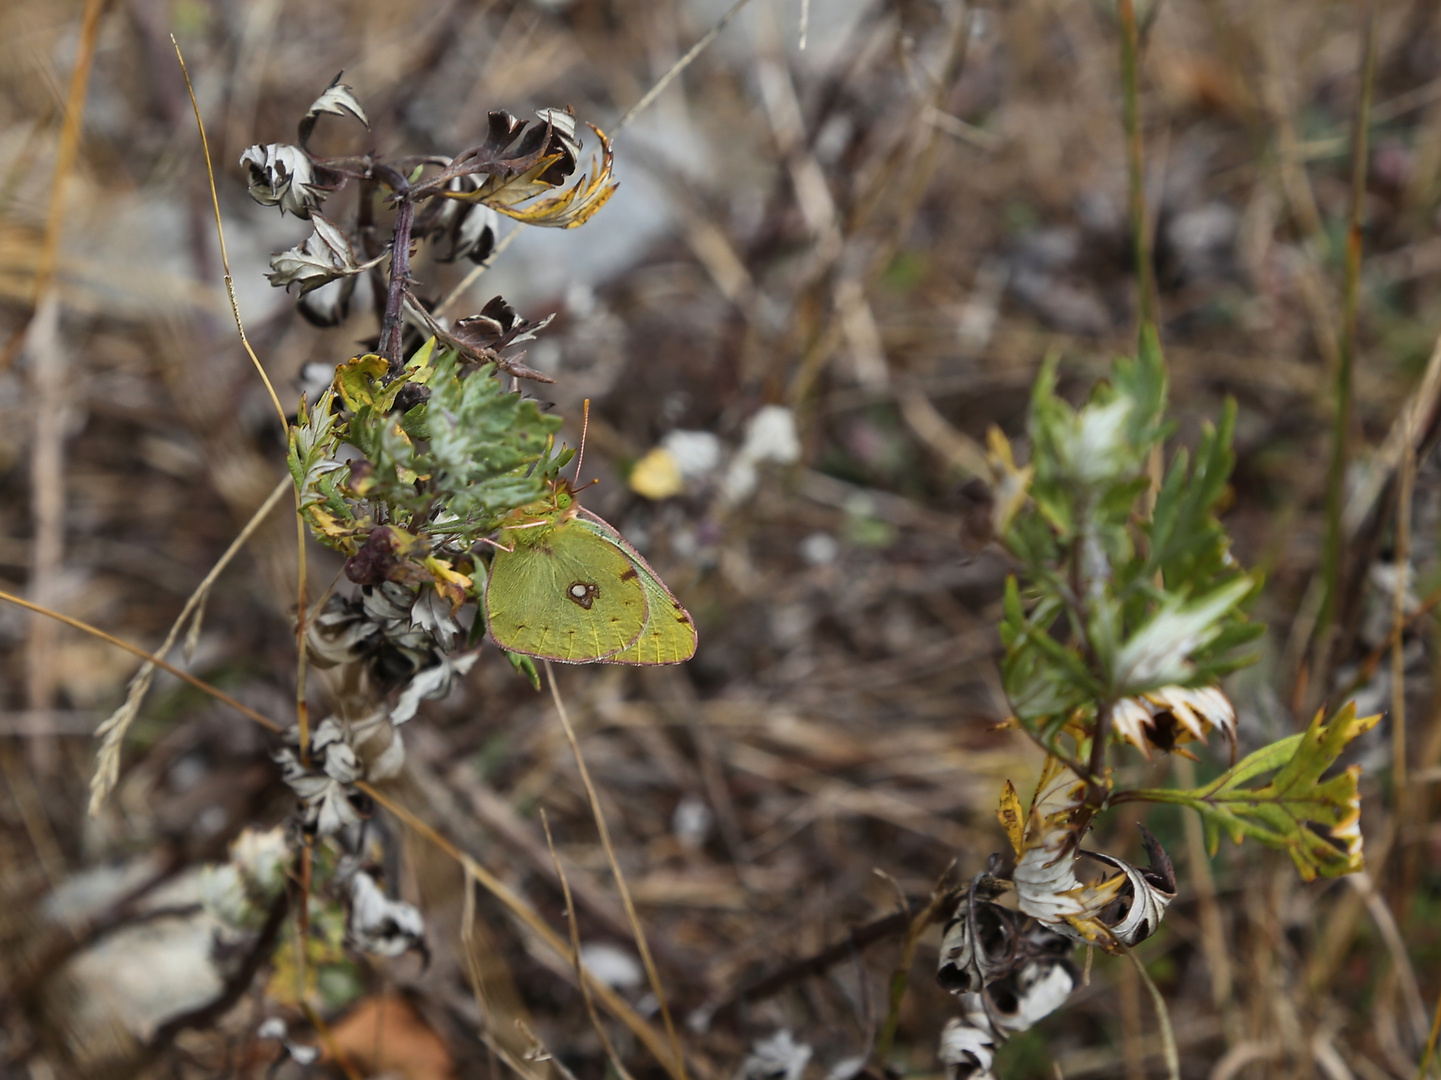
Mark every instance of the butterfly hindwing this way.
pixel 563 593
pixel 668 636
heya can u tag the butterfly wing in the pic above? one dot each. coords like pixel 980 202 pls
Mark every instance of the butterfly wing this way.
pixel 669 635
pixel 564 594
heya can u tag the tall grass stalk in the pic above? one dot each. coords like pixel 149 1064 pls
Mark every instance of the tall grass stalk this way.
pixel 1334 552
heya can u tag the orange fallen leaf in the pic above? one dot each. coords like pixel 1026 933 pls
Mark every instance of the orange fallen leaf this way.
pixel 384 1034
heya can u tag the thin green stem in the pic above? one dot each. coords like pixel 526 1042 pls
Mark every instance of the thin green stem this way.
pixel 1334 552
pixel 1430 1042
pixel 1163 1015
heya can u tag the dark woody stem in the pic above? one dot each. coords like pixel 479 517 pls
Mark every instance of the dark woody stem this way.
pixel 1097 794
pixel 392 324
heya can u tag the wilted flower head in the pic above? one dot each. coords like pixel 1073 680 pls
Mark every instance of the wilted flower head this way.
pixel 282 175
pixel 1172 715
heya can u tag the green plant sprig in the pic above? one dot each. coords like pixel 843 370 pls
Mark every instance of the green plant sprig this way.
pixel 446 453
pixel 1128 604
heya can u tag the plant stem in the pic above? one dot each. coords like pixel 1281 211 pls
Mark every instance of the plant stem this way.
pixel 1140 230
pixel 1430 1043
pixel 392 325
pixel 1334 553
pixel 941 898
pixel 1096 767
pixel 1163 1016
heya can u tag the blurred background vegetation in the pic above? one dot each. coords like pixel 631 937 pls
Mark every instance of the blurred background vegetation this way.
pixel 884 233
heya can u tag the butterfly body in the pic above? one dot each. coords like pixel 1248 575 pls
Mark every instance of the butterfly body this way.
pixel 568 587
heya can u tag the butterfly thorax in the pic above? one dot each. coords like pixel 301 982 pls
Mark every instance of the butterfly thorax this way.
pixel 535 523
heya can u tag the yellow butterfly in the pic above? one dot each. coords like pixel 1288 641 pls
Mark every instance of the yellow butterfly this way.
pixel 568 587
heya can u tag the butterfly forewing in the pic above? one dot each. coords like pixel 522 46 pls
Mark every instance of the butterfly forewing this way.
pixel 669 635
pixel 564 594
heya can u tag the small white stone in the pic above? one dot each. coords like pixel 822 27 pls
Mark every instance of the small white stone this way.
pixel 612 965
pixel 820 549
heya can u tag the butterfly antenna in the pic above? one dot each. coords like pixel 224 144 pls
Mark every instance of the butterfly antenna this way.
pixel 584 427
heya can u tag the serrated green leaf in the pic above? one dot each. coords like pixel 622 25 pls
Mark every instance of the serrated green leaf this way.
pixel 1292 810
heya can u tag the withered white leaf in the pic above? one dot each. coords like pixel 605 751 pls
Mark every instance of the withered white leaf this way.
pixel 1037 989
pixel 475 238
pixel 431 613
pixel 337 100
pixel 1033 993
pixel 968 1049
pixel 979 939
pixel 326 255
pixel 327 798
pixel 1140 905
pixel 380 925
pixel 283 175
pixel 563 135
pixel 779 1057
pixel 300 1053
pixel 431 682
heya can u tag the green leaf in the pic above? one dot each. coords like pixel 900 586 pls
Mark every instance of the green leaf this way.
pixel 1315 821
pixel 525 666
pixel 313 443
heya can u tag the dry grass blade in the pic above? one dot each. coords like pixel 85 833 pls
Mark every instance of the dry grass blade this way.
pixel 111 733
pixel 67 151
pixel 48 379
pixel 1430 1050
pixel 199 684
pixel 580 979
pixel 940 898
pixel 220 237
pixel 1163 1017
pixel 679 66
pixel 472 938
pixel 302 711
pixel 615 1005
pixel 1396 946
pixel 1213 926
pixel 1135 163
pixel 635 924
pixel 471 278
pixel 1398 623
pixel 48 383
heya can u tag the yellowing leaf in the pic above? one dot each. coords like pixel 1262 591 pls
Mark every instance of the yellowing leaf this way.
pixel 449 583
pixel 1010 484
pixel 332 528
pixel 358 381
pixel 565 209
pixel 1012 817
